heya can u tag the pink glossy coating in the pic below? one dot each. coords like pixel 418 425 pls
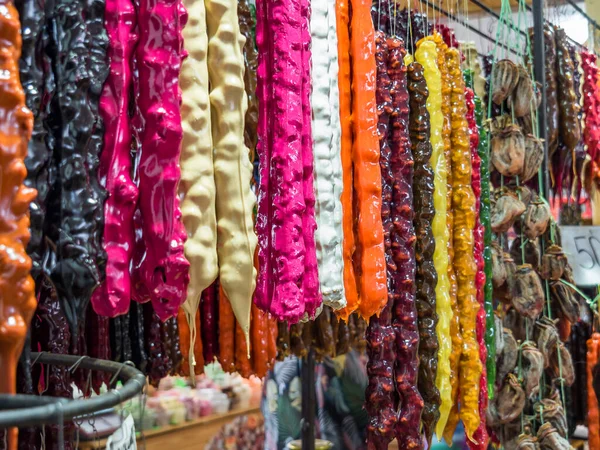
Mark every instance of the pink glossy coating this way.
pixel 266 277
pixel 480 436
pixel 112 297
pixel 162 270
pixel 312 294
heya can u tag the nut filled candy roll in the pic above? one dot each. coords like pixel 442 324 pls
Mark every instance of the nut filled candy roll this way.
pixel 347 195
pixel 404 313
pixel 427 55
pixel 112 297
pixel 17 298
pixel 236 240
pixel 326 163
pixel 370 258
pixel 161 272
pixel 481 438
pixel 426 276
pixel 463 202
pixel 197 185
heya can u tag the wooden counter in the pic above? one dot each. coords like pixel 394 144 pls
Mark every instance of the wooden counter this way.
pixel 185 436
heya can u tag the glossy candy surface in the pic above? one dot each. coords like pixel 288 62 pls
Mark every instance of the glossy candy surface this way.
pixel 113 296
pixel 427 55
pixel 426 276
pixel 370 256
pixel 160 268
pixel 404 313
pixel 463 202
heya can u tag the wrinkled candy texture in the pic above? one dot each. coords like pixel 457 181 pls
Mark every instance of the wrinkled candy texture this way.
pixel 236 240
pixel 75 258
pixel 380 392
pixel 347 195
pixel 17 287
pixel 481 438
pixel 404 312
pixel 427 55
pixel 160 270
pixel 442 49
pixel 327 162
pixel 463 202
pixel 112 297
pixel 197 185
pixel 288 280
pixel 426 276
pixel 370 257
pixel 591 103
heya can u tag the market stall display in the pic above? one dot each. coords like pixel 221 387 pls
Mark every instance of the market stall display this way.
pixel 397 206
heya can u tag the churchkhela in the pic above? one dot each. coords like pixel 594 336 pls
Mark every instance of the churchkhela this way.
pixel 300 177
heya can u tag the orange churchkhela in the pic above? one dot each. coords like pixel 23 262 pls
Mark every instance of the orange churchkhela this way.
pixel 17 299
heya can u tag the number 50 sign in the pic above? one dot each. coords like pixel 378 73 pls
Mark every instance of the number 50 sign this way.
pixel 582 247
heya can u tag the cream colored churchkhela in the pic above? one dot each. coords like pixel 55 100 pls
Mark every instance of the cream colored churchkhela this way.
pixel 197 183
pixel 236 240
pixel 327 163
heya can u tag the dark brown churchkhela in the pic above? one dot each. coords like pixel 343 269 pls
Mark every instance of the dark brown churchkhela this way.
pixel 404 313
pixel 551 89
pixel 426 276
pixel 247 24
pixel 75 209
pixel 380 393
pixel 568 108
pixel 38 84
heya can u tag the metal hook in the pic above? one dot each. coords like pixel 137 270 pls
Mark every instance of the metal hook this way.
pixel 114 377
pixel 76 364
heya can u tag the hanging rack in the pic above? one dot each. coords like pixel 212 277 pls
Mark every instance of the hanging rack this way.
pixel 31 410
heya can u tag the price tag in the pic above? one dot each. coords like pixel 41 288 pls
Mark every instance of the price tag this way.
pixel 124 437
pixel 582 247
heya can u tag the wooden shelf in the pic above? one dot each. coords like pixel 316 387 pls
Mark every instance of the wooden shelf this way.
pixel 194 434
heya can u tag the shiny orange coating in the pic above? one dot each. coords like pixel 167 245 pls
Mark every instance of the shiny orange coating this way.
pixel 342 17
pixel 463 203
pixel 227 333
pixel 593 421
pixel 17 299
pixel 370 260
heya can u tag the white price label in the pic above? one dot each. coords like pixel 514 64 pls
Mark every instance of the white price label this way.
pixel 582 247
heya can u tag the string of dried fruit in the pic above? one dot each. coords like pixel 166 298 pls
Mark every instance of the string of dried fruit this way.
pixel 162 274
pixel 379 394
pixel 593 417
pixel 72 217
pixel 426 276
pixel 112 297
pixel 464 264
pixel 211 320
pixel 16 285
pixel 342 14
pixel 427 55
pixel 481 438
pixel 38 84
pixel 329 230
pixel 404 313
pixel 235 200
pixel 370 257
pixel 197 185
pixel 282 205
pixel 247 23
